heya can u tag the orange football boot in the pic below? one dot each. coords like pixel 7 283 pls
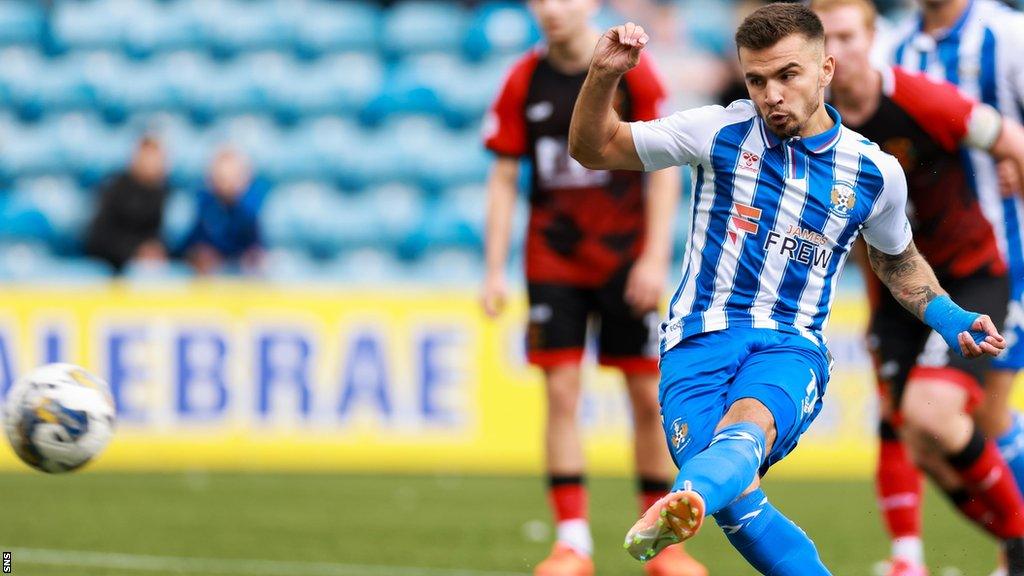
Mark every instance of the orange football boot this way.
pixel 674 561
pixel 676 517
pixel 564 561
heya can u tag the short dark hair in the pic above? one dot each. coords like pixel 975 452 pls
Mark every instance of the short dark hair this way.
pixel 769 24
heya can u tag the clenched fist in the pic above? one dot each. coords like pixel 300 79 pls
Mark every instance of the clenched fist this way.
pixel 618 50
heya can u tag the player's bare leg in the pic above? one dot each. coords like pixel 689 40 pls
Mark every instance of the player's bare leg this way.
pixel 899 486
pixel 679 516
pixel 653 467
pixel 743 438
pixel 993 414
pixel 565 464
pixel 997 420
pixel 942 436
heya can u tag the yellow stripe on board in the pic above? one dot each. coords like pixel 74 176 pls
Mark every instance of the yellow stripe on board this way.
pixel 236 376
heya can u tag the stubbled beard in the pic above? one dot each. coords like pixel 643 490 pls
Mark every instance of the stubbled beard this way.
pixel 794 129
pixel 790 131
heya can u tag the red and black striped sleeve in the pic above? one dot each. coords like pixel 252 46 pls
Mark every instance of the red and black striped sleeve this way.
pixel 505 125
pixel 646 90
pixel 941 110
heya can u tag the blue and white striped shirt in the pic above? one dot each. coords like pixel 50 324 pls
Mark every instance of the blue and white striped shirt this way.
pixel 983 54
pixel 773 220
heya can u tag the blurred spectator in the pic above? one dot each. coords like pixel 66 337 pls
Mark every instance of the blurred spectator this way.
pixel 126 226
pixel 226 233
pixel 735 86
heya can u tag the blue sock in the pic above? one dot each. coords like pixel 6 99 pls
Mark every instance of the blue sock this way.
pixel 772 543
pixel 1011 446
pixel 725 468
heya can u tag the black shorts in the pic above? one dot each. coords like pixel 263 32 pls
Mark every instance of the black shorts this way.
pixel 901 343
pixel 560 315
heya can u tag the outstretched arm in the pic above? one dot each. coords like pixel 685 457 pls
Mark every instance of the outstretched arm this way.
pixel 598 138
pixel 913 283
pixel 1008 150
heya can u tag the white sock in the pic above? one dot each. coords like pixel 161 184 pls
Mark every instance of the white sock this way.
pixel 576 535
pixel 909 548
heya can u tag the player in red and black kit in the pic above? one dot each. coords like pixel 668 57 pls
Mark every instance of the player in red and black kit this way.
pixel 597 251
pixel 930 393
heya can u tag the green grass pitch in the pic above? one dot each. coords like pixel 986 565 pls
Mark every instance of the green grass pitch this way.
pixel 343 525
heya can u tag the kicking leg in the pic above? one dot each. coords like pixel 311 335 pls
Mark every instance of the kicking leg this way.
pixel 653 467
pixel 769 541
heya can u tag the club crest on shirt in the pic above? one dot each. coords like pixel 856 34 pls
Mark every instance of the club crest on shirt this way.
pixel 680 435
pixel 844 198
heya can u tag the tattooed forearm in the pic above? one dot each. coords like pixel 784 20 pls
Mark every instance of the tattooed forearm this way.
pixel 908 276
pixel 919 298
pixel 894 266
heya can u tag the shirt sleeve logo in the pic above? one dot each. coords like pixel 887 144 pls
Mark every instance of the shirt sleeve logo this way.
pixel 844 198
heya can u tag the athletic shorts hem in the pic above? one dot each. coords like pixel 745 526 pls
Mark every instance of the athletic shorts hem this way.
pixel 954 377
pixel 630 364
pixel 552 358
pixel 784 414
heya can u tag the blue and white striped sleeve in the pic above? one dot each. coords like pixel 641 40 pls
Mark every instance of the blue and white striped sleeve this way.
pixel 887 227
pixel 1013 35
pixel 677 139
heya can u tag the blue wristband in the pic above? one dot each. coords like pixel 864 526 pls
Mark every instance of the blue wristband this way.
pixel 949 320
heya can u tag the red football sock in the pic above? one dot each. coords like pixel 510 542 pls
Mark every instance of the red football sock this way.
pixel 900 486
pixel 568 497
pixel 989 479
pixel 973 508
pixel 650 491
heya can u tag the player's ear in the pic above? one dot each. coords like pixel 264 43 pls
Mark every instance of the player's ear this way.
pixel 828 68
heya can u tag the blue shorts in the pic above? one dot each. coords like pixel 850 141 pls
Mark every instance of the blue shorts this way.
pixel 1013 330
pixel 702 376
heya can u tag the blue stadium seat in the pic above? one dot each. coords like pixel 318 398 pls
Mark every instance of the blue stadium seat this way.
pixel 707 24
pixel 275 153
pixel 162 27
pixel 417 26
pixel 78 136
pixel 500 27
pixel 179 216
pixel 308 216
pixel 416 142
pixel 21 22
pixel 397 212
pixel 189 148
pixel 452 160
pixel 135 88
pixel 35 86
pixel 90 24
pixel 211 89
pixel 336 148
pixel 21 220
pixel 412 87
pixel 231 27
pixel 288 266
pixel 341 84
pixel 67 208
pixel 56 271
pixel 327 27
pixel 31 151
pixel 456 267
pixel 467 206
pixel 367 266
pixel 473 88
